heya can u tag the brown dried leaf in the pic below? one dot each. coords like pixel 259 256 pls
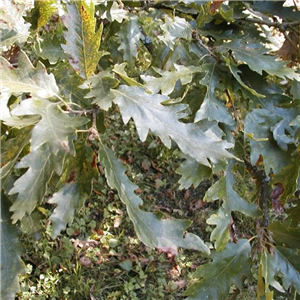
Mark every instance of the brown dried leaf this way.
pixel 290 47
pixel 215 6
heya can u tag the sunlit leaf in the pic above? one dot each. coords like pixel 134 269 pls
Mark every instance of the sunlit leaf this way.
pixel 174 29
pixel 46 10
pixel 166 83
pixel 82 41
pixel 13 27
pixel 220 235
pixel 27 79
pixel 149 114
pixel 101 85
pixel 55 128
pixel 130 36
pixel 114 12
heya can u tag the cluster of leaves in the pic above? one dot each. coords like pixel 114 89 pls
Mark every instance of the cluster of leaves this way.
pixel 203 77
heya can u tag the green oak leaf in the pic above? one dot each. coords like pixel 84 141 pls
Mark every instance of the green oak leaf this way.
pixel 166 83
pixel 49 47
pixel 75 187
pixel 13 28
pixel 27 79
pixel 13 121
pixel 283 263
pixel 192 173
pixel 82 42
pixel 130 36
pixel 254 56
pixel 165 234
pixel 11 263
pixel 220 234
pixel 295 90
pixel 114 12
pixel 55 128
pixel 149 114
pixel 294 215
pixel 174 29
pixel 230 266
pixel 101 85
pixel 288 177
pixel 69 83
pixel 120 70
pixel 235 71
pixel 224 190
pixel 32 185
pixel 259 123
pixel 32 224
pixel 284 235
pixel 10 151
pixel 212 108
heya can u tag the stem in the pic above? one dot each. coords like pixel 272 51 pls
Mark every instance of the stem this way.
pixel 281 26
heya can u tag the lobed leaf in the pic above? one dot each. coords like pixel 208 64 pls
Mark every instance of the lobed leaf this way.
pixel 166 83
pixel 115 13
pixel 164 234
pixel 192 173
pixel 27 79
pixel 13 28
pixel 254 56
pixel 284 263
pixel 31 186
pixel 10 151
pixel 230 266
pixel 130 36
pixel 56 128
pixel 212 108
pixel 259 123
pixel 174 29
pixel 224 190
pixel 13 121
pixel 148 113
pixel 220 234
pixel 101 85
pixel 82 42
pixel 46 10
pixel 75 187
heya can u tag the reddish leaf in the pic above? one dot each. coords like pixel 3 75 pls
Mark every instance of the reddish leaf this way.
pixel 232 231
pixel 275 196
pixel 215 6
pixel 290 47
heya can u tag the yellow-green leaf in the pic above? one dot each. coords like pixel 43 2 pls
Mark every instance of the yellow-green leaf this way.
pixel 82 41
pixel 46 10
